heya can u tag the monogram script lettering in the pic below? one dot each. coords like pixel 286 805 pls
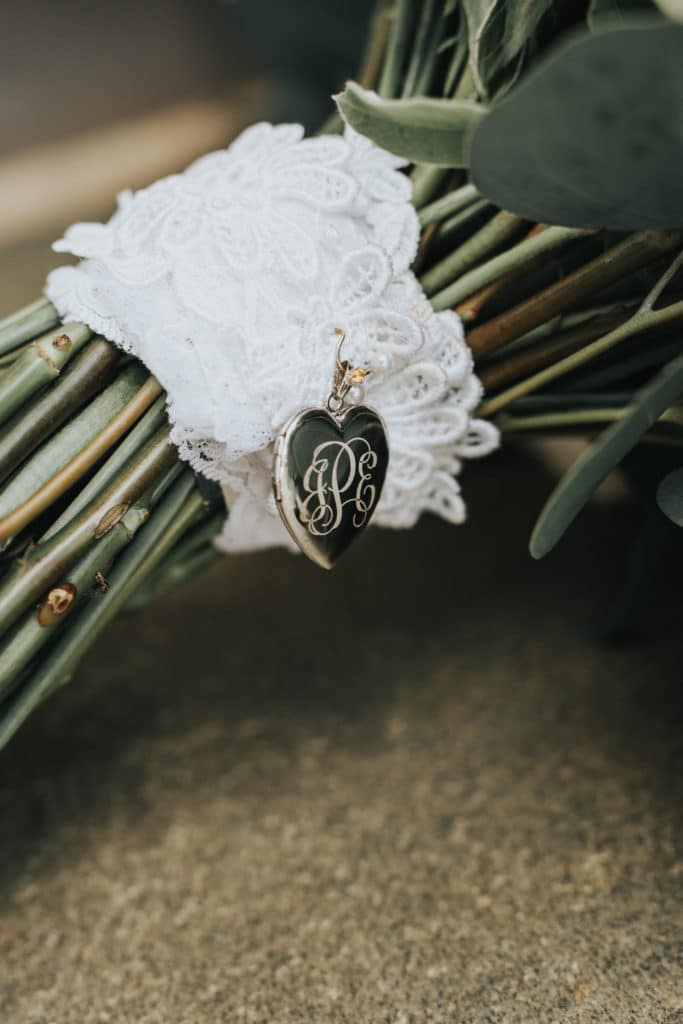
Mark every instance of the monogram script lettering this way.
pixel 339 475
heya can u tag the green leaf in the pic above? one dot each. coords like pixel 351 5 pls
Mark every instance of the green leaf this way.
pixel 588 472
pixel 427 131
pixel 522 19
pixel 592 138
pixel 670 496
pixel 499 33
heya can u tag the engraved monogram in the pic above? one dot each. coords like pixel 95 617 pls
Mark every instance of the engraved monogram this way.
pixel 328 475
pixel 340 474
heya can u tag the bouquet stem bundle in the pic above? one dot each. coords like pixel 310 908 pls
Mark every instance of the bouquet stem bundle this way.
pixel 568 327
pixel 96 509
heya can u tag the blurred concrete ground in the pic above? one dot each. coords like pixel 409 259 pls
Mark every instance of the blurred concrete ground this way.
pixel 409 790
pixel 412 790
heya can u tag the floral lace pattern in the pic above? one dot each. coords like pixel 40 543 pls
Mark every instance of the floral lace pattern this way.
pixel 229 281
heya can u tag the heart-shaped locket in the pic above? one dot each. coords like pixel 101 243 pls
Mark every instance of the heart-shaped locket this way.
pixel 327 476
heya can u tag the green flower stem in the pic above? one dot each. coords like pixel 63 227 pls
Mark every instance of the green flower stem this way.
pixel 27 323
pixel 175 572
pixel 559 401
pixel 532 248
pixel 11 357
pixel 40 566
pixel 371 65
pixel 427 180
pixel 526 361
pixel 194 551
pixel 397 47
pixel 153 419
pixel 467 88
pixel 31 633
pixel 71 473
pixel 495 234
pixel 199 537
pixel 183 506
pixel 641 320
pixel 458 61
pixel 422 69
pixel 660 285
pixel 478 303
pixel 449 204
pixel 65 445
pixel 565 322
pixel 162 484
pixel 458 221
pixel 508 423
pixel 480 299
pixel 625 367
pixel 421 40
pixel 437 234
pixel 635 251
pixel 41 419
pixel 39 365
pixel 88 579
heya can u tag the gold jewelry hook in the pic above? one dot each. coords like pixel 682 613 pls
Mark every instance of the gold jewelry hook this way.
pixel 341 365
pixel 345 378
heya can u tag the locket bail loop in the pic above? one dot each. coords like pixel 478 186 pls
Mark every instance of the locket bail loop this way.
pixel 345 378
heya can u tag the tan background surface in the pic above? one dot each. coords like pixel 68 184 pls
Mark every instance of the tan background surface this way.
pixel 410 790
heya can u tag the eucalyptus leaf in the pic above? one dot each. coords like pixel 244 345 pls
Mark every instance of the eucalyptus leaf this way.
pixel 499 32
pixel 588 472
pixel 431 131
pixel 670 496
pixel 592 138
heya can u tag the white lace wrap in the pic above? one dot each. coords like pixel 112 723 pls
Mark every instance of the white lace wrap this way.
pixel 229 280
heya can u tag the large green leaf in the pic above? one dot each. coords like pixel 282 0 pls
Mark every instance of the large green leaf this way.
pixel 588 472
pixel 499 32
pixel 595 136
pixel 670 496
pixel 428 131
